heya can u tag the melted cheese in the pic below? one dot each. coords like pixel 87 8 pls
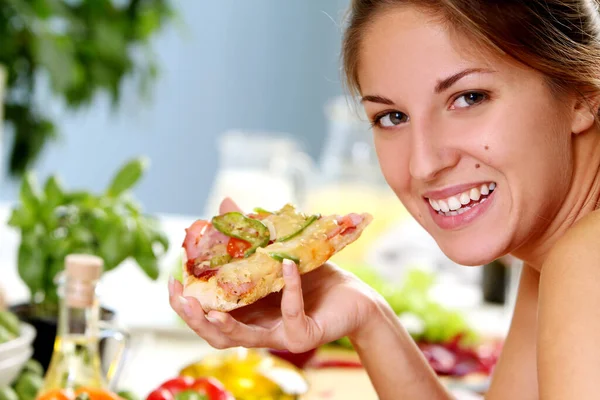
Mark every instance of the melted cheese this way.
pixel 287 221
pixel 306 246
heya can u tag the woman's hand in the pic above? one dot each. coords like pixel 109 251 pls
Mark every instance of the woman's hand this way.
pixel 313 309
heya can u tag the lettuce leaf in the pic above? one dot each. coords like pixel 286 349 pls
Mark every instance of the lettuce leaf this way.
pixel 412 297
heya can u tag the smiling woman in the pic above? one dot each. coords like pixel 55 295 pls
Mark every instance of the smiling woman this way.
pixel 484 120
pixel 480 96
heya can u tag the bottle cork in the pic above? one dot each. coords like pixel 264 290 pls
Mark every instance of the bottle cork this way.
pixel 82 273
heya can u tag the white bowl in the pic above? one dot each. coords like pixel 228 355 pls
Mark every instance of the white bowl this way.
pixel 11 367
pixel 17 346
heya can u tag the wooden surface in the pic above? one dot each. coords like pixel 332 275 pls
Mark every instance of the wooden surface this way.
pixel 333 383
pixel 339 383
pixel 344 383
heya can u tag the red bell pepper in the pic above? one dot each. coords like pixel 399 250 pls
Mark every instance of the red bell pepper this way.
pixel 188 388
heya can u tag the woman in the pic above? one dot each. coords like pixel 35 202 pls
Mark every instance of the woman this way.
pixel 484 120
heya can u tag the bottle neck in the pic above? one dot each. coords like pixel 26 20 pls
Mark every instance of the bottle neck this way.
pixel 79 308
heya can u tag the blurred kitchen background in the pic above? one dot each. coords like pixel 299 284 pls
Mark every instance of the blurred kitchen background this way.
pixel 247 102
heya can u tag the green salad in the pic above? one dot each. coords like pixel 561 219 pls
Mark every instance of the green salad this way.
pixel 425 319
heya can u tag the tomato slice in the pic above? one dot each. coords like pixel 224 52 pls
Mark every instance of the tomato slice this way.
pixel 211 387
pixel 237 247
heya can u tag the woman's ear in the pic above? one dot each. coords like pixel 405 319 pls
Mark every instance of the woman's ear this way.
pixel 585 112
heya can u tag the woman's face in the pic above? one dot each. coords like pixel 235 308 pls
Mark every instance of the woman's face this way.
pixel 475 146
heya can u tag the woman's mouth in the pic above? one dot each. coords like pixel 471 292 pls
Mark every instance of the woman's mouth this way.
pixel 462 202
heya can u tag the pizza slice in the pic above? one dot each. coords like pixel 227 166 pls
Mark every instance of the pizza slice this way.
pixel 236 259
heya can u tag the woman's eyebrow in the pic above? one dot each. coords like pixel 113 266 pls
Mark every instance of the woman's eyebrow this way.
pixel 446 83
pixel 377 99
pixel 441 86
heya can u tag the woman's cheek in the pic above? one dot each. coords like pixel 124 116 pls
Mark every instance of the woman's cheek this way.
pixel 394 162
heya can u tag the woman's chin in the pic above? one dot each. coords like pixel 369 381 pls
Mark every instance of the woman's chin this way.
pixel 471 254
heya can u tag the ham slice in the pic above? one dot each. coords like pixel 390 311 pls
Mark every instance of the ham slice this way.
pixel 203 242
pixel 346 223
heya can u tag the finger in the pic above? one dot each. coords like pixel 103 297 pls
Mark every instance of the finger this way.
pixel 295 323
pixel 196 319
pixel 190 310
pixel 175 290
pixel 239 333
pixel 180 304
pixel 228 205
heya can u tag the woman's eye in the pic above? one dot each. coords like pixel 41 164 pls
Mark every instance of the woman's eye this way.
pixel 469 99
pixel 391 119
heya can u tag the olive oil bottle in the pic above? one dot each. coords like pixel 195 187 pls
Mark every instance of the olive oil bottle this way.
pixel 76 361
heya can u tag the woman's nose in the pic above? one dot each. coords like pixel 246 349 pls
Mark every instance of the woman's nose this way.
pixel 430 155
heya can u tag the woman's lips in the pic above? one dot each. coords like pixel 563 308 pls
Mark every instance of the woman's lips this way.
pixel 461 209
pixel 459 200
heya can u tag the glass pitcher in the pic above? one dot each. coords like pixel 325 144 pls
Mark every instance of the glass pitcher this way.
pixel 260 169
pixel 350 179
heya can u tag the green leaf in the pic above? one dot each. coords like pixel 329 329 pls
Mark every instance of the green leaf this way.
pixel 30 263
pixel 144 253
pixel 149 265
pixel 53 191
pixel 54 267
pixel 22 219
pixel 30 194
pixel 116 245
pixel 81 236
pixel 154 232
pixel 127 176
pixel 57 54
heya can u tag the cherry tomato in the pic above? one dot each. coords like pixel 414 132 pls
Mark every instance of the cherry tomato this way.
pixel 237 247
pixel 211 387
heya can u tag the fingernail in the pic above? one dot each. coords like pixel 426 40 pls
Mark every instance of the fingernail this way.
pixel 288 267
pixel 186 306
pixel 171 282
pixel 216 318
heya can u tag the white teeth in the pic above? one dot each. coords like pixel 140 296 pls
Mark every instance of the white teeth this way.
pixel 443 206
pixel 456 205
pixel 465 198
pixel 453 203
pixel 434 205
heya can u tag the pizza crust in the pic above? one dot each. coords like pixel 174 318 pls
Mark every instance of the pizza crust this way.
pixel 262 273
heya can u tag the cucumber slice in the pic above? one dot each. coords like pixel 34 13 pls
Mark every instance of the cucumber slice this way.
pixel 282 256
